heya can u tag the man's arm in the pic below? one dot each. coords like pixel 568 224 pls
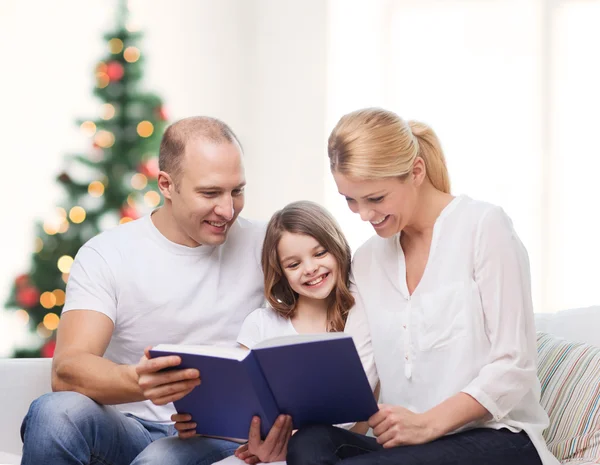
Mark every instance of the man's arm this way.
pixel 78 365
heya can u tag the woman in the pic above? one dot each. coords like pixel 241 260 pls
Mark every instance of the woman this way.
pixel 446 291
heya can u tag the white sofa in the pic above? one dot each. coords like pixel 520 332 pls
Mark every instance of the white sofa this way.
pixel 22 380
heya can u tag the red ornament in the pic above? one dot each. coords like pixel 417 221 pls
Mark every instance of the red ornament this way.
pixel 22 280
pixel 48 349
pixel 64 178
pixel 161 113
pixel 149 168
pixel 28 296
pixel 128 212
pixel 115 71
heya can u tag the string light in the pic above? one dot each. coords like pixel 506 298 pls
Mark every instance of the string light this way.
pixel 64 263
pixel 51 321
pixel 104 139
pixel 88 128
pixel 102 80
pixel 64 226
pixel 60 296
pixel 65 277
pixel 152 198
pixel 125 219
pixel 22 316
pixel 96 189
pixel 139 181
pixel 107 111
pixel 51 227
pixel 145 129
pixel 42 331
pixel 77 215
pixel 132 26
pixel 47 300
pixel 101 67
pixel 57 223
pixel 131 54
pixel 38 245
pixel 115 45
pixel 131 201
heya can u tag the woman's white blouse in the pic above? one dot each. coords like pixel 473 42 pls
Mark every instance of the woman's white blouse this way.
pixel 468 326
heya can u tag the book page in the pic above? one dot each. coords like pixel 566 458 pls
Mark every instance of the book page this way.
pixel 232 353
pixel 299 339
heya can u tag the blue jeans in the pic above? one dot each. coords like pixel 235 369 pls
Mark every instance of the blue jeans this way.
pixel 68 428
pixel 325 445
pixel 192 451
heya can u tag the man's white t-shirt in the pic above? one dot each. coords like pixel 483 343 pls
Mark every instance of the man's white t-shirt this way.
pixel 156 291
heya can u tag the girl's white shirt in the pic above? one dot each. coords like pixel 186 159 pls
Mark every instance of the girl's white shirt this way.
pixel 467 327
pixel 266 323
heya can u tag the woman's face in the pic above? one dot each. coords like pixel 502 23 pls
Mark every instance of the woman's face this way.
pixel 387 203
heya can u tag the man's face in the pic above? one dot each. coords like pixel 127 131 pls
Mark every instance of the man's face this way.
pixel 210 191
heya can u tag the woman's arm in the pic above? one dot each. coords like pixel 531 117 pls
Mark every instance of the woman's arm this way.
pixel 501 272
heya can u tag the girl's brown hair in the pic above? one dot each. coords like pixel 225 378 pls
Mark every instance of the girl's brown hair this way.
pixel 310 219
pixel 374 143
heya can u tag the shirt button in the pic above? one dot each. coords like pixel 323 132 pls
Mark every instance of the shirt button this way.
pixel 404 326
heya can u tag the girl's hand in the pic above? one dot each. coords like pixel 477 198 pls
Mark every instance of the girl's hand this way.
pixel 274 447
pixel 396 426
pixel 184 425
pixel 244 454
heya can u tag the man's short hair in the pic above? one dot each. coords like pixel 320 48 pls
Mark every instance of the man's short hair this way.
pixel 178 134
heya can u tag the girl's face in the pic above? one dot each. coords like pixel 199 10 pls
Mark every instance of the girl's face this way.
pixel 309 268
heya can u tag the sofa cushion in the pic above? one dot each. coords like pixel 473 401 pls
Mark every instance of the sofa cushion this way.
pixel 569 374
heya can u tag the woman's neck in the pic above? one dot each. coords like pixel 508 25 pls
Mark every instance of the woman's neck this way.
pixel 310 315
pixel 429 207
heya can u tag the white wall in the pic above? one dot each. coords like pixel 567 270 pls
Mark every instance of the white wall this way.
pixel 260 65
pixel 281 72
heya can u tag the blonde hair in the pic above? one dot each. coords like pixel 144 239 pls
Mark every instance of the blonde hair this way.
pixel 312 220
pixel 373 143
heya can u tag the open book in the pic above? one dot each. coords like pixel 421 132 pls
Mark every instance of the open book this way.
pixel 317 379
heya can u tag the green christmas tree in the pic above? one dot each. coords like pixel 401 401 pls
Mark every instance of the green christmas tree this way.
pixel 113 182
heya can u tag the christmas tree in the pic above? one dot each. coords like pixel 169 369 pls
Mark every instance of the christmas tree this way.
pixel 120 169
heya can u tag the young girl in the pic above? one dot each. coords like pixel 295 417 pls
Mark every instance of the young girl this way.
pixel 306 264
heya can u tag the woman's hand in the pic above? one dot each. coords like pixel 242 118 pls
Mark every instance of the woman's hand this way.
pixel 184 425
pixel 397 426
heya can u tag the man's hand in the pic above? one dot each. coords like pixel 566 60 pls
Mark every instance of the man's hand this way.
pixel 184 425
pixel 169 386
pixel 396 426
pixel 274 447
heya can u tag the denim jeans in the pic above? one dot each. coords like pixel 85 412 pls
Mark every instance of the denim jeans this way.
pixel 68 428
pixel 324 445
pixel 192 451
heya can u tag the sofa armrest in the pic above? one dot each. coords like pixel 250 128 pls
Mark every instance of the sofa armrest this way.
pixel 21 382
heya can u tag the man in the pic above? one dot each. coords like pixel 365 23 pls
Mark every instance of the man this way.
pixel 187 273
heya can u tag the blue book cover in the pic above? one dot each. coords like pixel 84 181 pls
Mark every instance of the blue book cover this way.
pixel 317 379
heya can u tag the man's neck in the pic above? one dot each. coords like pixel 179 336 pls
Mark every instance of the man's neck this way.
pixel 163 220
